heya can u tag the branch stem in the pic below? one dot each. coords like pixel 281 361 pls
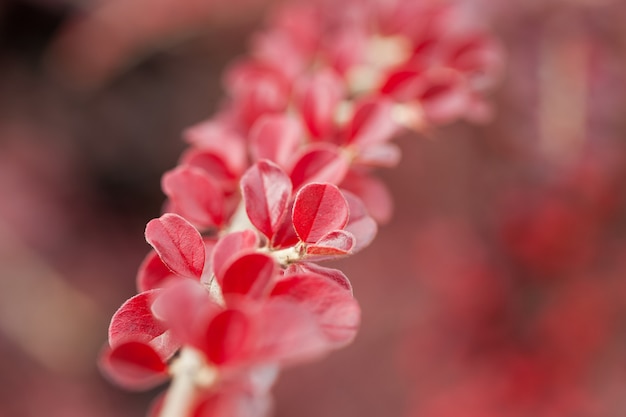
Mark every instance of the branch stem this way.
pixel 189 373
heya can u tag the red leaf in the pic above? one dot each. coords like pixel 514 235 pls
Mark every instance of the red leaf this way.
pixel 335 243
pixel 257 89
pixel 213 165
pixel 186 308
pixel 178 244
pixel 134 365
pixel 317 210
pixel 266 191
pixel 334 275
pixel 195 194
pixel 250 274
pixel 445 96
pixel 277 138
pixel 321 162
pixel 152 273
pixel 134 320
pixel 403 84
pixel 218 138
pixel 285 236
pixel 229 247
pixel 226 336
pixel 372 123
pixel 337 312
pixel 285 332
pixel 319 100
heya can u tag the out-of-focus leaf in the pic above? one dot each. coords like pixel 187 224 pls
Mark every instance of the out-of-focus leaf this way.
pixel 319 97
pixel 230 246
pixel 334 275
pixel 250 274
pixel 226 336
pixel 277 138
pixel 336 311
pixel 134 320
pixel 320 162
pixel 372 123
pixel 372 192
pixel 152 273
pixel 362 226
pixel 186 308
pixel 134 365
pixel 195 194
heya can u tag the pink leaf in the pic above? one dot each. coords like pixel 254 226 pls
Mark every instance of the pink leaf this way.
pixel 266 191
pixel 226 336
pixel 337 312
pixel 229 247
pixel 134 365
pixel 134 320
pixel 250 274
pixel 445 96
pixel 186 308
pixel 277 138
pixel 285 235
pixel 317 210
pixel 319 99
pixel 321 162
pixel 334 275
pixel 372 123
pixel 153 273
pixel 403 84
pixel 218 138
pixel 213 165
pixel 285 332
pixel 362 226
pixel 257 89
pixel 178 244
pixel 335 243
pixel 195 194
pixel 372 192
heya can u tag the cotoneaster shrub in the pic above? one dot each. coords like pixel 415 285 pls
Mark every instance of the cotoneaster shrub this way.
pixel 278 180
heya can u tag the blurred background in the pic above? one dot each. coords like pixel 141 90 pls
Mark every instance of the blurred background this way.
pixel 497 290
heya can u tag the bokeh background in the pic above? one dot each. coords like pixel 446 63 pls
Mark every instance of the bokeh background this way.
pixel 497 290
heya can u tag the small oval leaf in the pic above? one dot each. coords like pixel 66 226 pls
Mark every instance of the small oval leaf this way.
pixel 152 273
pixel 134 365
pixel 337 312
pixel 229 247
pixel 266 191
pixel 195 195
pixel 251 274
pixel 277 138
pixel 134 320
pixel 321 162
pixel 334 243
pixel 319 209
pixel 178 244
pixel 226 336
pixel 334 275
